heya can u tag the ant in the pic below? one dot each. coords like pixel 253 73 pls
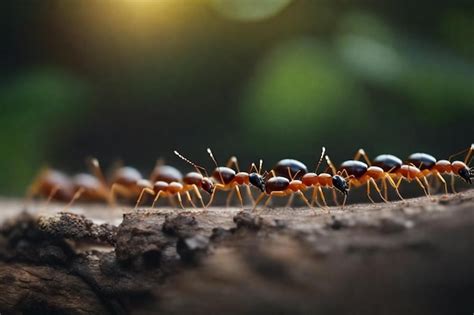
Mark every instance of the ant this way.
pixel 317 181
pixel 226 179
pixel 395 169
pixel 53 184
pixel 281 186
pixel 428 165
pixel 360 173
pixel 176 186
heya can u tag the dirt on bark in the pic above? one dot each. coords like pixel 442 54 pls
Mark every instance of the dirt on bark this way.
pixel 414 257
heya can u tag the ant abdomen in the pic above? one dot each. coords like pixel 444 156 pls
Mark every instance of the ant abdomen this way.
pixel 126 176
pixel 290 168
pixel 160 186
pixel 277 183
pixel 52 180
pixel 354 168
pixel 388 162
pixel 422 161
pixel 166 173
pixel 92 187
pixel 195 178
pixel 223 175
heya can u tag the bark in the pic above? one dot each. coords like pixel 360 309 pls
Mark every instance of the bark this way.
pixel 403 257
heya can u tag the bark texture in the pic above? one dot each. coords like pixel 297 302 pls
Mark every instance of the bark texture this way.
pixel 411 257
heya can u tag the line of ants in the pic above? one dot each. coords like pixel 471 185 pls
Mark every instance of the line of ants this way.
pixel 289 177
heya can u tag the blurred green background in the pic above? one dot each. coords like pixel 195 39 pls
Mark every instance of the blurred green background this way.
pixel 135 79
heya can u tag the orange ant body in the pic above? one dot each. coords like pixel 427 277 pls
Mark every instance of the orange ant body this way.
pixel 177 184
pixel 428 165
pixel 53 184
pixel 361 174
pixel 282 186
pixel 226 179
pixel 318 181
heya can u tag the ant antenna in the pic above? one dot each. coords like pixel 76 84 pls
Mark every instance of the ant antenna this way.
pixel 331 166
pixel 323 151
pixel 468 157
pixel 217 165
pixel 254 167
pixel 96 169
pixel 197 167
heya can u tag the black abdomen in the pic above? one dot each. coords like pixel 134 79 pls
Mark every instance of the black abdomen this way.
pixel 355 168
pixel 226 173
pixel 388 162
pixel 278 183
pixel 297 168
pixel 422 160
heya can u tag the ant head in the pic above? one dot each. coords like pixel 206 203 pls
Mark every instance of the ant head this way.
pixel 466 174
pixel 207 185
pixel 341 184
pixel 257 180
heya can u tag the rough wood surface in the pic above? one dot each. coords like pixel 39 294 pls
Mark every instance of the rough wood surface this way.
pixel 411 257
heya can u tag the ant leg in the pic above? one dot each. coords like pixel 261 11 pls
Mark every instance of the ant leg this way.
pixel 249 193
pixel 453 189
pixel 314 196
pixel 438 175
pixel 302 196
pixel 180 200
pixel 229 198
pixel 378 189
pixel 198 194
pixel 334 198
pixel 427 185
pixel 188 196
pixel 144 190
pixel 237 191
pixel 76 196
pixel 120 190
pixel 422 186
pixel 262 195
pixel 290 200
pixel 51 195
pixel 395 186
pixel 344 201
pixel 362 153
pixel 368 191
pixel 468 158
pixel 233 162
pixel 53 192
pixel 156 198
pixel 268 201
pixel 321 192
pixel 216 188
pixel 385 188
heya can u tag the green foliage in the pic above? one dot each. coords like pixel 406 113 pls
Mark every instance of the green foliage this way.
pixel 34 105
